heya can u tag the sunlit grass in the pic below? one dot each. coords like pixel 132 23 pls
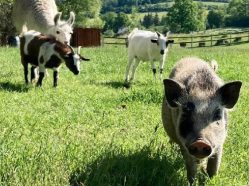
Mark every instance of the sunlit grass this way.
pixel 92 131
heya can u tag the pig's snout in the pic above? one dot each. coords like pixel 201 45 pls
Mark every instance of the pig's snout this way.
pixel 200 149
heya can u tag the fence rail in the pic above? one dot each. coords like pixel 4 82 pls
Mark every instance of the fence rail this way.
pixel 192 41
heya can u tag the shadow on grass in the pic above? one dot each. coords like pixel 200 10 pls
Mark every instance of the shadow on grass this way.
pixel 148 95
pixel 10 87
pixel 114 84
pixel 141 168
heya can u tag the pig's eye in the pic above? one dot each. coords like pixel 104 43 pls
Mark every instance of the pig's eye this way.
pixel 188 107
pixel 217 115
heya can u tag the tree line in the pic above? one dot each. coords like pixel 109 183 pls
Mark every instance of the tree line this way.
pixel 183 16
pixel 127 5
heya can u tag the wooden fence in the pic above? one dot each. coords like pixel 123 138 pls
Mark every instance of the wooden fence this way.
pixel 193 41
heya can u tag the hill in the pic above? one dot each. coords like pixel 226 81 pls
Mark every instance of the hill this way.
pixel 152 6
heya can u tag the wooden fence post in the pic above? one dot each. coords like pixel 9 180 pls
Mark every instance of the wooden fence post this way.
pixel 191 40
pixel 211 40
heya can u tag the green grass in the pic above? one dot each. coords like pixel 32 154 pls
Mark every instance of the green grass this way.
pixel 218 4
pixel 91 131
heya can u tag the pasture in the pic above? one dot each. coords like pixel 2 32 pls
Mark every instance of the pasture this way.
pixel 92 131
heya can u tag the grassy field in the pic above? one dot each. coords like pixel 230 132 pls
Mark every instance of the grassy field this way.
pixel 91 131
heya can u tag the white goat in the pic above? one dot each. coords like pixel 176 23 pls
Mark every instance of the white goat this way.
pixel 146 46
pixel 42 16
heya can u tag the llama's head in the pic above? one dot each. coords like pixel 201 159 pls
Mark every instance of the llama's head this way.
pixel 62 30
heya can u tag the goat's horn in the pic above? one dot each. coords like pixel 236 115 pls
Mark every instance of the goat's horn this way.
pixel 79 47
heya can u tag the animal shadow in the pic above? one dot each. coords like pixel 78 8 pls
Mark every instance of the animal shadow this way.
pixel 10 87
pixel 114 84
pixel 142 168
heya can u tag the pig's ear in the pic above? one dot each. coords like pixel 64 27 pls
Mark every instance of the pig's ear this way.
pixel 173 91
pixel 229 93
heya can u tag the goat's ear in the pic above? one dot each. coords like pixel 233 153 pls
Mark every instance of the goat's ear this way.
pixel 167 34
pixel 154 40
pixel 229 93
pixel 158 34
pixel 57 18
pixel 83 58
pixel 169 41
pixel 71 18
pixel 173 92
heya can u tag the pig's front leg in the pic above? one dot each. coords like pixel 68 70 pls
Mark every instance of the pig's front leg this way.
pixel 214 163
pixel 191 166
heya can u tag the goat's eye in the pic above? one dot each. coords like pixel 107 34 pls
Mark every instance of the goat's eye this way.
pixel 217 115
pixel 71 33
pixel 57 32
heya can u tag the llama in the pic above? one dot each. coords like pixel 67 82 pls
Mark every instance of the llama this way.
pixel 42 16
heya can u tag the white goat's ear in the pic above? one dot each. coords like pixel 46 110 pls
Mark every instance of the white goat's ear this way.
pixel 158 34
pixel 57 18
pixel 167 34
pixel 154 41
pixel 71 18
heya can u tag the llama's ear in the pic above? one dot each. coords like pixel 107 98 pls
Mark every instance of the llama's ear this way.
pixel 71 18
pixel 57 18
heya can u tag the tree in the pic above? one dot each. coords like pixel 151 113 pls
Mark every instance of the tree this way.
pixel 238 8
pixel 147 20
pixel 183 16
pixel 215 19
pixel 238 13
pixel 135 21
pixel 109 19
pixel 6 26
pixel 87 11
pixel 121 21
pixel 156 20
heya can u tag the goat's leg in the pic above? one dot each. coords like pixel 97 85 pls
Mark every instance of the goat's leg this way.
pixel 33 74
pixel 130 60
pixel 39 82
pixel 26 71
pixel 134 67
pixel 55 78
pixel 161 68
pixel 153 67
pixel 42 71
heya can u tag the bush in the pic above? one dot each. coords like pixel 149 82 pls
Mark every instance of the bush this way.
pixel 236 21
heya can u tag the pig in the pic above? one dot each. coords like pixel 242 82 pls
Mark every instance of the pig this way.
pixel 195 111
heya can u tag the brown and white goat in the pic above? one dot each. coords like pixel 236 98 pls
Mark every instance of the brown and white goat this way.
pixel 46 52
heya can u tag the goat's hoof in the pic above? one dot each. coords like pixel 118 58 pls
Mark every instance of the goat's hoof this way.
pixel 127 84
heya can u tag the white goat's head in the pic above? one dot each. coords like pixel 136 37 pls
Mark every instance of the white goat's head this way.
pixel 62 30
pixel 162 42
